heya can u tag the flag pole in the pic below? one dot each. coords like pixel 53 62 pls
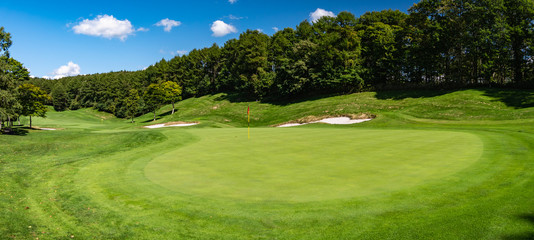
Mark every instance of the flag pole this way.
pixel 248 115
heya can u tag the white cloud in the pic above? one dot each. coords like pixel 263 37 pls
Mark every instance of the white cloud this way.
pixel 232 1
pixel 232 17
pixel 275 29
pixel 168 24
pixel 105 26
pixel 71 69
pixel 180 52
pixel 319 13
pixel 142 29
pixel 220 28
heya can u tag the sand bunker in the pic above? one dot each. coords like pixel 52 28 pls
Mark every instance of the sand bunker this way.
pixel 172 124
pixel 328 120
pixel 46 128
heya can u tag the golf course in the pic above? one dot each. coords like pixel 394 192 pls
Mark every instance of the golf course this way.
pixel 429 165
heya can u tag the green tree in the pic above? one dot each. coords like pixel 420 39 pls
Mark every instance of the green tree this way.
pixel 154 97
pixel 132 103
pixel 520 19
pixel 59 97
pixel 5 42
pixel 255 74
pixel 11 71
pixel 32 100
pixel 173 92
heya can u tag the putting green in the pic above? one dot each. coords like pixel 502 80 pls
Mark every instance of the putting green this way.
pixel 311 164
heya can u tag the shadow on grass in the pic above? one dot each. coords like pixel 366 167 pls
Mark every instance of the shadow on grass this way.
pixel 158 117
pixel 280 101
pixel 403 94
pixel 526 235
pixel 512 97
pixel 16 131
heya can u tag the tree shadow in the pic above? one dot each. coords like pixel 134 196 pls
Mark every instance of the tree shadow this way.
pixel 512 97
pixel 16 131
pixel 403 94
pixel 279 101
pixel 158 117
pixel 164 114
pixel 526 235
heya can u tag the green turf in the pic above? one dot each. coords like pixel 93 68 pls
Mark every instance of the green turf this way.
pixel 432 165
pixel 297 165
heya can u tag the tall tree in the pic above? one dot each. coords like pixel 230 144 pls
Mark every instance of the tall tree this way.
pixel 154 97
pixel 5 42
pixel 33 100
pixel 11 71
pixel 173 92
pixel 132 103
pixel 255 73
pixel 520 19
pixel 59 98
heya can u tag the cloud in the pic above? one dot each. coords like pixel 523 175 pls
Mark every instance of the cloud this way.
pixel 142 29
pixel 232 17
pixel 319 13
pixel 168 24
pixel 71 69
pixel 275 29
pixel 220 28
pixel 105 26
pixel 180 52
pixel 232 1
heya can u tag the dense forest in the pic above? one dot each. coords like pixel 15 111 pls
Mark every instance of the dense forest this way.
pixel 437 44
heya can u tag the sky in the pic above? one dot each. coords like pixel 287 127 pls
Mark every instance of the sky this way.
pixel 54 39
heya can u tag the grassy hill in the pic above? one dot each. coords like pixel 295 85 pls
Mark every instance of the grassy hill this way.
pixel 431 165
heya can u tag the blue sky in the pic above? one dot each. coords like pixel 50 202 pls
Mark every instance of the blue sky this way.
pixel 57 38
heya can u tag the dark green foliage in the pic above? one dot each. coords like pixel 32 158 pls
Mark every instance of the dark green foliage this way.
pixel 59 98
pixel 439 44
pixel 132 103
pixel 154 97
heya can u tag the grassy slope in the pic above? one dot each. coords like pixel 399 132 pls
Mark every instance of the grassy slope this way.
pixel 88 181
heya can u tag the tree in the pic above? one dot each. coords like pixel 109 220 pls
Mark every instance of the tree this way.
pixel 5 42
pixel 132 103
pixel 59 98
pixel 520 19
pixel 10 72
pixel 172 91
pixel 154 97
pixel 255 75
pixel 32 100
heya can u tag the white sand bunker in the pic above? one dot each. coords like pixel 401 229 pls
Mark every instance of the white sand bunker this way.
pixel 46 128
pixel 172 124
pixel 330 120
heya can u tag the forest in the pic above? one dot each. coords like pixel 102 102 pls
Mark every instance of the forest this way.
pixel 437 44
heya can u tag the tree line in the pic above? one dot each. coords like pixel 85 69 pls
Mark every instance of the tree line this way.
pixel 437 44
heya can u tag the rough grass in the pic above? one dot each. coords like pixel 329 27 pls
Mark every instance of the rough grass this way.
pixel 96 179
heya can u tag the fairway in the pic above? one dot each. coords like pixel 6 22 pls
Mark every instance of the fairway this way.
pixel 311 164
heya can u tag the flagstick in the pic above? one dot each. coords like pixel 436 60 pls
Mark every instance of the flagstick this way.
pixel 248 113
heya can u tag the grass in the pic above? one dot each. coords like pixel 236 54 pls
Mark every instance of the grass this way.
pixel 339 164
pixel 432 165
